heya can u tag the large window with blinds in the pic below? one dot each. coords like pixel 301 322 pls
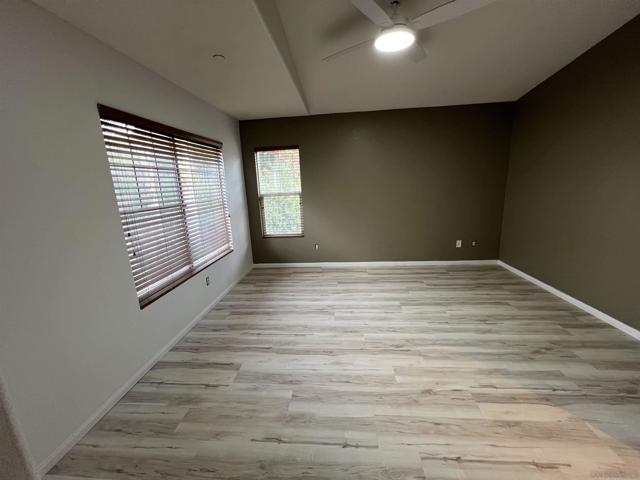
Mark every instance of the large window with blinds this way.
pixel 171 196
pixel 280 191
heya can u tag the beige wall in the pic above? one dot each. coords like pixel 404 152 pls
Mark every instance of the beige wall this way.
pixel 572 208
pixel 389 185
pixel 71 331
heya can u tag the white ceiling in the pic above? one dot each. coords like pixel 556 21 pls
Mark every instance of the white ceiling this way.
pixel 274 51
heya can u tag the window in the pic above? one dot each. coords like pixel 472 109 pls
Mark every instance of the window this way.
pixel 279 191
pixel 171 197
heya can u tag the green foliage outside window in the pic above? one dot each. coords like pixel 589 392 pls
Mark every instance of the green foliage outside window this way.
pixel 280 189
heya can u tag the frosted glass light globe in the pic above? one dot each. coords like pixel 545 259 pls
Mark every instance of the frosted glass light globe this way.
pixel 395 39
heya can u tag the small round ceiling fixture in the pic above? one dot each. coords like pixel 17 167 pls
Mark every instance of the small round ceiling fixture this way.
pixel 394 39
pixel 218 56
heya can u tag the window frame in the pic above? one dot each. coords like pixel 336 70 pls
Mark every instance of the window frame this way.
pixel 110 113
pixel 260 197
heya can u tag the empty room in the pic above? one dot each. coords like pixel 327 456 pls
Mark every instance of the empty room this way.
pixel 320 239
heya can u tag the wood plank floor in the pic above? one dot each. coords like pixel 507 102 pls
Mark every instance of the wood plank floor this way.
pixel 402 373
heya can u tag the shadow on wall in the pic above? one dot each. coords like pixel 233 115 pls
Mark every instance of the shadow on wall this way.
pixel 14 458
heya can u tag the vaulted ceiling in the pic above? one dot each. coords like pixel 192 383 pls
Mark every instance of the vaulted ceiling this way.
pixel 274 50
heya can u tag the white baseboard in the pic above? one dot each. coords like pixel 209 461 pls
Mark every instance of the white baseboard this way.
pixel 574 301
pixel 425 263
pixel 76 436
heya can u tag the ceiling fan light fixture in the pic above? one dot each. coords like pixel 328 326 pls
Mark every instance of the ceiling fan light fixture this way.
pixel 395 38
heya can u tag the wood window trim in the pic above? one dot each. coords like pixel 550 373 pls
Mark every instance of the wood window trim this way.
pixel 110 113
pixel 276 147
pixel 118 115
pixel 272 148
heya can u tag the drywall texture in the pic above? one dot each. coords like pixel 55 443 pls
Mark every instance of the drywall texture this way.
pixel 572 207
pixel 72 333
pixel 14 461
pixel 389 185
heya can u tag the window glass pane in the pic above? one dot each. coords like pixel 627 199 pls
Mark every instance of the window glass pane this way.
pixel 282 215
pixel 279 171
pixel 279 190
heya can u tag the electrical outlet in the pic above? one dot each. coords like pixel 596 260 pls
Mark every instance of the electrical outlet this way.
pixel 207 280
pixel 474 243
pixel 458 243
pixel 316 246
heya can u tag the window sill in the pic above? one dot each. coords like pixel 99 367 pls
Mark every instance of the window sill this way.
pixel 287 235
pixel 146 301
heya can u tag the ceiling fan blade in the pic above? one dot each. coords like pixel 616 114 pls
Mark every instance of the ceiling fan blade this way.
pixel 345 26
pixel 416 53
pixel 447 10
pixel 375 13
pixel 344 51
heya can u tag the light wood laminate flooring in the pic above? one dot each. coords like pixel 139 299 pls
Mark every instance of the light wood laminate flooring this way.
pixel 379 373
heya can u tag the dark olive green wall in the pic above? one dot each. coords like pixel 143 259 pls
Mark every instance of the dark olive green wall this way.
pixel 389 185
pixel 572 207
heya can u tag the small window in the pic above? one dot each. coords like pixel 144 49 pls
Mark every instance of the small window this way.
pixel 280 191
pixel 171 196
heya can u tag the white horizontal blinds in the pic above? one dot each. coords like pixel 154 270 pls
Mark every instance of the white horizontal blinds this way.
pixel 280 191
pixel 147 186
pixel 171 199
pixel 203 189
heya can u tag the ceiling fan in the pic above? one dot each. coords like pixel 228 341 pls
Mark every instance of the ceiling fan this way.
pixel 399 33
